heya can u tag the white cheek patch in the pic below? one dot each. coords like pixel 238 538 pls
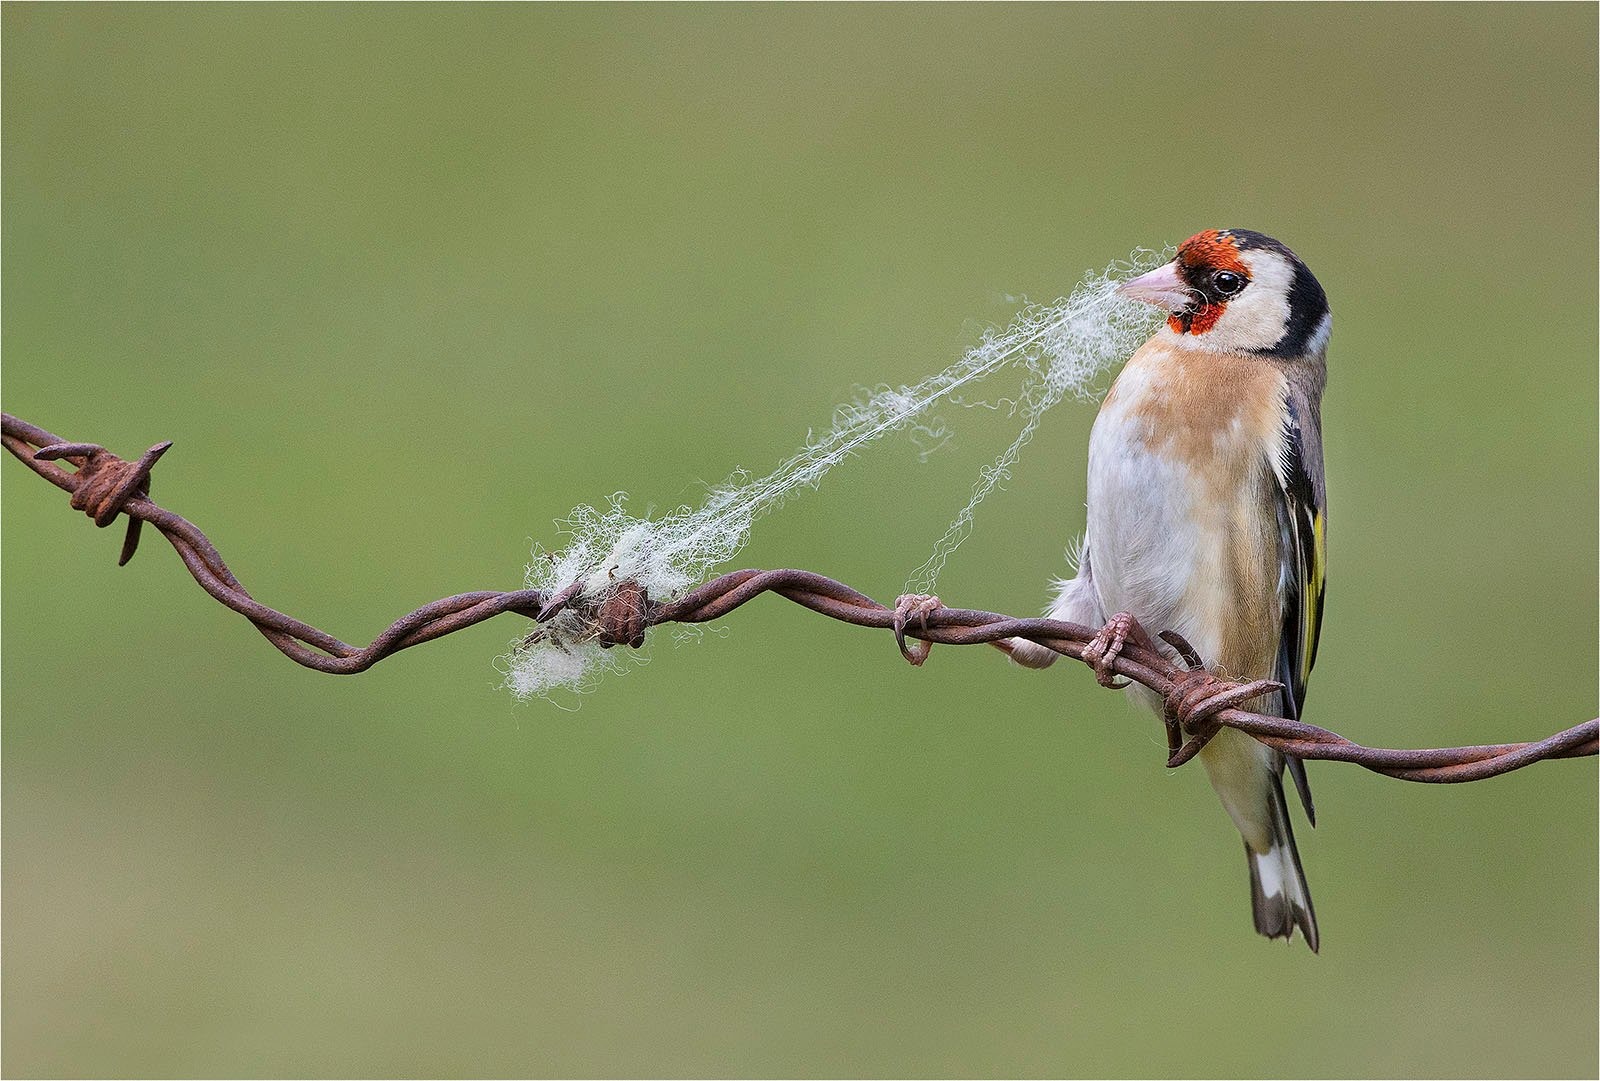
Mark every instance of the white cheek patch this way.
pixel 1258 317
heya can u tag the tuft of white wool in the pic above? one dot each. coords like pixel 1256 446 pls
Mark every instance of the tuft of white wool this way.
pixel 1061 349
pixel 539 670
pixel 564 655
pixel 1064 347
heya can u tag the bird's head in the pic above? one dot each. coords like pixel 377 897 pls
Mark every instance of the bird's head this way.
pixel 1235 291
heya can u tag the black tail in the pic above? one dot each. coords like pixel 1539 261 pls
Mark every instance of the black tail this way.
pixel 1277 884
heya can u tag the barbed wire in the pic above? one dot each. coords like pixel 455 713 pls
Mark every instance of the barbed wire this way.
pixel 105 486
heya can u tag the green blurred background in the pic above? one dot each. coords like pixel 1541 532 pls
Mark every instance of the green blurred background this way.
pixel 406 284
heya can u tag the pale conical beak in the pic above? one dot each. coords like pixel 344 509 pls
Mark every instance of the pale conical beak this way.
pixel 1162 287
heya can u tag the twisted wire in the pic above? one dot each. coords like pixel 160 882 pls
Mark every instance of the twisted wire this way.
pixel 104 487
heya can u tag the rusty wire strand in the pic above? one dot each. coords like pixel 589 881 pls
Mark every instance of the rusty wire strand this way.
pixel 103 486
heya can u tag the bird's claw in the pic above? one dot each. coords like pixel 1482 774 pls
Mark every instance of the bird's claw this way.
pixel 1102 651
pixel 920 605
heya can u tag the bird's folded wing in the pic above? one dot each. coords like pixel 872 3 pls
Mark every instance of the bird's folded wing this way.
pixel 1302 524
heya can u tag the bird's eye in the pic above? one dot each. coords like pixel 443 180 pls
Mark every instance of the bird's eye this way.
pixel 1227 282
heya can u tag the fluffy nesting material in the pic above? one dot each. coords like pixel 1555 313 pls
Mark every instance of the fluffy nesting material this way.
pixel 1061 349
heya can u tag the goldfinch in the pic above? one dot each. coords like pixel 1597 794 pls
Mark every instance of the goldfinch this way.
pixel 1207 516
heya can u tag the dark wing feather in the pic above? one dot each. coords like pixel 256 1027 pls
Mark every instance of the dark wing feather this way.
pixel 1302 526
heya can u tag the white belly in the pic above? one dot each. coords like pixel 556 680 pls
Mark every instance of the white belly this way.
pixel 1186 539
pixel 1183 534
pixel 1145 543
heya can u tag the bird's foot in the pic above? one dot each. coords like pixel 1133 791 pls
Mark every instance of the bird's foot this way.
pixel 1103 649
pixel 920 605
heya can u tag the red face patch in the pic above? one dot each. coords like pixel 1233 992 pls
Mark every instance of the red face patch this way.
pixel 1199 257
pixel 1211 250
pixel 1197 322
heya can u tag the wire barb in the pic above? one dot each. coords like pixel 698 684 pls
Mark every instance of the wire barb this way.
pixel 104 486
pixel 106 483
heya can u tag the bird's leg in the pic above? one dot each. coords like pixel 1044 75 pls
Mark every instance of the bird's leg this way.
pixel 1103 649
pixel 919 605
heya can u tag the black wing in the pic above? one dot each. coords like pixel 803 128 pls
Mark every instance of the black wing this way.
pixel 1302 527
